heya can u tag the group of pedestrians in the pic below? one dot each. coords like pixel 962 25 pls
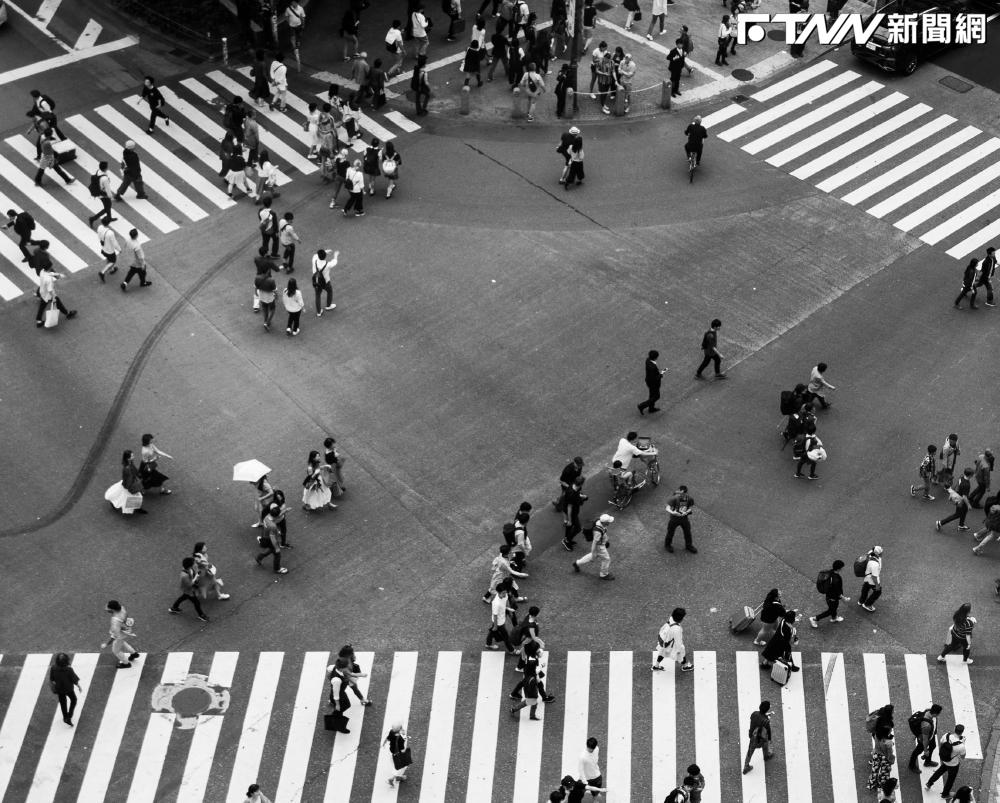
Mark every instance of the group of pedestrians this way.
pixel 128 493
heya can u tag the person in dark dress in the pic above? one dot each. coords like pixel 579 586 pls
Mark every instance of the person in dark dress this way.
pixel 779 646
pixel 62 679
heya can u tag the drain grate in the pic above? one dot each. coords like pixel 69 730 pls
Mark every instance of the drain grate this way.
pixel 956 84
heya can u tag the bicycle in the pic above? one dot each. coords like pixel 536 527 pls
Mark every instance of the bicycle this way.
pixel 622 488
pixel 692 166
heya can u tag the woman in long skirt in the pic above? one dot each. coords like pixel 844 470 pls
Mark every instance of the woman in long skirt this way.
pixel 151 477
pixel 779 646
pixel 880 763
pixel 316 493
pixel 122 494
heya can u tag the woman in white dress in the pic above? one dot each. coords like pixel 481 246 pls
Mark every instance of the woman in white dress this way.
pixel 312 128
pixel 126 495
pixel 316 493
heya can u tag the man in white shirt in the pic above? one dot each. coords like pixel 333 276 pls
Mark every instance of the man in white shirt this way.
pixel 627 450
pixel 47 295
pixel 871 588
pixel 296 17
pixel 109 250
pixel 817 382
pixel 951 756
pixel 498 621
pixel 588 768
pixel 321 266
pixel 136 261
pixel 278 78
pixel 419 22
pixel 394 44
pixel 670 642
pixel 599 548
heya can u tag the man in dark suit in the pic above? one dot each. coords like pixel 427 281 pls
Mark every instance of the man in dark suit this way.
pixel 676 64
pixel 654 376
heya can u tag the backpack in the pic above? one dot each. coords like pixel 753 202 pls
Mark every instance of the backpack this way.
pixel 861 564
pixel 25 222
pixel 946 749
pixel 916 720
pixel 95 185
pixel 787 402
pixel 799 445
pixel 824 580
pixel 588 531
pixel 508 533
pixel 870 721
pixel 52 103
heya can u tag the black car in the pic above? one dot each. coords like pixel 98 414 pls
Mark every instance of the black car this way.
pixel 905 57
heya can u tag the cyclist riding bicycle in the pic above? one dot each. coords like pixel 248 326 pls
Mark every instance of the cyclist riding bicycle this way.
pixel 696 134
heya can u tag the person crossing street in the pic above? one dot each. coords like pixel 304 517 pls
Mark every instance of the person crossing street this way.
pixel 831 585
pixel 670 643
pixel 120 631
pixel 679 506
pixel 654 377
pixel 871 587
pixel 599 548
pixel 710 349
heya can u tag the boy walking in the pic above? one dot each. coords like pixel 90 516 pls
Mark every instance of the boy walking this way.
pixel 927 471
pixel 831 585
pixel 709 347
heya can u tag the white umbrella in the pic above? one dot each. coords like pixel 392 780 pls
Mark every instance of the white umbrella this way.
pixel 249 471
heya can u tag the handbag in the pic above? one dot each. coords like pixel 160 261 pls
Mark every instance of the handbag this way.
pixel 51 315
pixel 402 759
pixel 637 16
pixel 817 455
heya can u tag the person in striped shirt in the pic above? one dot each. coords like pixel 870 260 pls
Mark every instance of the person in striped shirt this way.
pixel 960 633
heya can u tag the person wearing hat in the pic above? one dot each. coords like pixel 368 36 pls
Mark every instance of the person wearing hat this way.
pixel 131 172
pixel 271 539
pixel 871 588
pixel 599 548
pixel 566 140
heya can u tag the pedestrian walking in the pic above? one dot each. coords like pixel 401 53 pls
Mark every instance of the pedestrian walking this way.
pixel 779 646
pixel 278 79
pixel 109 250
pixel 390 164
pixel 153 97
pixel 268 226
pixel 760 735
pixel 355 183
pixel 694 774
pixel 280 517
pixel 879 723
pixel 574 499
pixel 881 760
pixel 533 85
pixel 337 719
pixel 923 726
pixel 131 172
pixel 830 584
pixel 670 643
pixel 709 347
pixel 817 384
pixel 687 45
pixel 991 526
pixel 871 586
pixel 963 795
pixel 570 472
pixel 530 689
pixel 968 285
pixel 119 633
pixel 62 680
pixel 48 298
pixel 341 164
pixel 501 570
pixel 260 91
pixel 267 178
pixel 398 743
pixel 471 64
pixel 589 768
pixel 723 39
pixel 887 791
pixel 983 469
pixel 41 259
pixel 100 187
pixel 810 453
pixel 676 62
pixel 501 51
pixel 23 225
pixel 265 290
pixel 394 45
pixel 322 264
pixel 254 795
pixel 658 14
pixel 960 634
pixel 316 493
pixel 679 506
pixel 207 574
pixel 566 140
pixel 575 174
pixel 600 541
pixel 126 494
pixel 927 471
pixel 370 165
pixel 271 540
pixel 287 238
pixel 654 378
pixel 948 458
pixel 148 471
pixel 499 610
pixel 960 497
pixel 43 106
pixel 236 174
pixel 984 276
pixel 335 460
pixel 771 610
pixel 347 661
pixel 251 137
pixel 682 794
pixel 189 591
pixel 420 26
pixel 263 496
pixel 47 161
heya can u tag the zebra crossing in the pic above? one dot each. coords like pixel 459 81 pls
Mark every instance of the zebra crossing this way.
pixel 179 167
pixel 877 149
pixel 137 736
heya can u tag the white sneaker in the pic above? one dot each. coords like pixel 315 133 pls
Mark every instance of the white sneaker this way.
pixel 813 622
pixel 331 306
pixel 940 659
pixel 838 619
pixel 224 596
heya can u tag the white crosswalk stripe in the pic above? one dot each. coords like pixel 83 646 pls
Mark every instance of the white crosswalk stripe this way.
pixel 179 169
pixel 120 744
pixel 874 147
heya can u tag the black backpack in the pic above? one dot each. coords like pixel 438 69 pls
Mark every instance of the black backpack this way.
pixel 799 446
pixel 95 185
pixel 946 750
pixel 52 103
pixel 24 222
pixel 824 580
pixel 787 402
pixel 861 564
pixel 508 533
pixel 916 720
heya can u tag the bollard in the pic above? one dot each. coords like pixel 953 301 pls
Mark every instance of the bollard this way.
pixel 463 101
pixel 570 109
pixel 619 108
pixel 225 51
pixel 665 96
pixel 518 110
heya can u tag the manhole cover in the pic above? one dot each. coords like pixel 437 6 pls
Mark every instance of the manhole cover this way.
pixel 742 75
pixel 957 84
pixel 777 34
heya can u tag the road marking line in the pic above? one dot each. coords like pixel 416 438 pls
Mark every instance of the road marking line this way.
pixel 664 743
pixel 793 81
pixel 919 682
pixel 402 121
pixel 302 728
pixel 787 107
pixel 795 734
pixel 397 710
pixel 17 717
pixel 88 36
pixel 748 700
pixel 722 115
pixel 344 756
pixel 877 687
pixel 946 199
pixel 246 762
pixel 838 729
pixel 484 728
pixel 577 698
pixel 706 724
pixel 963 706
pixel 619 753
pixel 8 290
pixel 441 727
pixel 106 744
pixel 975 240
pixel 47 10
pixel 42 26
pixel 156 741
pixel 962 218
pixel 654 45
pixel 72 57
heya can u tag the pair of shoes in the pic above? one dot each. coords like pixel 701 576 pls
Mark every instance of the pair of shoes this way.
pixel 550 699
pixel 969 661
pixel 837 619
pixel 493 646
pixel 125 665
pixel 990 304
pixel 224 596
pixel 797 475
pixel 869 608
pixel 567 545
pixel 642 410
pixel 100 275
pixel 359 214
pixel 147 284
pixel 655 409
pixel 172 610
pixel 692 549
pixel 928 497
pixel 165 492
pixel 649 36
pixel 331 306
pixel 605 109
pixel 812 477
pixel 687 667
pixel 68 721
pixel 282 570
pixel 721 375
pixel 747 769
pixel 607 577
pixel 366 703
pixel 319 314
pixel 795 668
pixel 964 527
pixel 930 763
pixel 940 659
pixel 149 130
pixel 142 197
pixel 698 376
pixel 133 656
pixel 530 118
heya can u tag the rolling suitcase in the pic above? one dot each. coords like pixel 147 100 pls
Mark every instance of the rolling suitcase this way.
pixel 743 618
pixel 64 150
pixel 780 672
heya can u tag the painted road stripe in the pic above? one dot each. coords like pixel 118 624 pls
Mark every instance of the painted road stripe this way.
pixel 279 119
pixel 875 159
pixel 813 117
pixel 59 252
pixel 834 132
pixel 664 742
pixel 77 189
pixel 246 762
pixel 441 728
pixel 963 706
pixel 402 121
pixel 931 180
pixel 941 202
pixel 8 290
pixel 863 141
pixel 748 700
pixel 156 741
pixel 50 766
pixel 975 240
pixel 144 207
pixel 723 114
pixel 877 688
pixel 88 36
pixel 528 759
pixel 484 728
pixel 42 199
pixel 179 167
pixel 791 105
pixel 194 782
pixel 163 187
pixel 344 757
pixel 302 728
pixel 838 729
pixel 706 724
pixel 919 682
pixel 793 81
pixel 911 165
pixel 619 752
pixel 397 710
pixel 47 10
pixel 275 147
pixel 962 218
pixel 104 752
pixel 795 736
pixel 577 703
pixel 72 57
